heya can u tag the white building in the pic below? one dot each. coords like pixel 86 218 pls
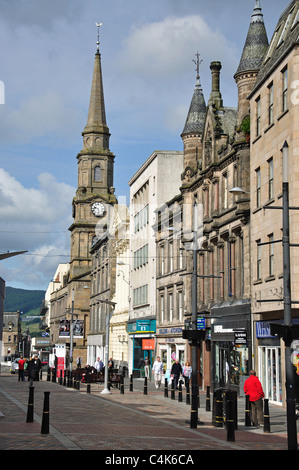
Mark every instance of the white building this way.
pixel 156 182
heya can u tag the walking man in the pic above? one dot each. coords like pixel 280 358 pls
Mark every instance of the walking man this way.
pixel 157 371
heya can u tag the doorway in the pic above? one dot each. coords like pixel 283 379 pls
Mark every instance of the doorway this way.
pixel 270 372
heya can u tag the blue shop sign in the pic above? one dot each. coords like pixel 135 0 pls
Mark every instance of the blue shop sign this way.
pixel 201 323
pixel 262 330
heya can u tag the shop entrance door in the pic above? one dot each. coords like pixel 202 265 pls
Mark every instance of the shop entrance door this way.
pixel 270 372
pixel 224 366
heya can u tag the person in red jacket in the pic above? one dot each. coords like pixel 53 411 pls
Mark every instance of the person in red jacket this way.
pixel 21 369
pixel 254 389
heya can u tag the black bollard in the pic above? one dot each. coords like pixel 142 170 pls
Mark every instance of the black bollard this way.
pixel 230 422
pixel 187 394
pixel 247 411
pixel 172 396
pixel 266 416
pixel 75 380
pixel 145 386
pixel 122 386
pixel 46 414
pixel 165 388
pixel 64 378
pixel 60 377
pixel 88 388
pixel 131 383
pixel 180 396
pixel 30 405
pixel 198 399
pixel 208 400
pixel 48 374
pixel 217 409
pixel 41 375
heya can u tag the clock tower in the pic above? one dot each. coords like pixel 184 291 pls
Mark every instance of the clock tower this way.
pixel 95 190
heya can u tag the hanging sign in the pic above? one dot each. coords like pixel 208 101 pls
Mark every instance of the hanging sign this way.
pixel 240 338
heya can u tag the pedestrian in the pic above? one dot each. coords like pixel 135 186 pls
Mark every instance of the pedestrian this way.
pixel 254 389
pixel 38 365
pixel 146 367
pixel 79 362
pixel 21 369
pixel 176 372
pixel 110 364
pixel 98 365
pixel 157 371
pixel 187 371
pixel 32 370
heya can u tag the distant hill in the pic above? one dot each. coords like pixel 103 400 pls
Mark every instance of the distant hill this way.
pixel 22 299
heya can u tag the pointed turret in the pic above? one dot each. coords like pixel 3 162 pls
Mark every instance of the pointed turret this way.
pixel 194 124
pixel 256 43
pixel 197 111
pixel 253 54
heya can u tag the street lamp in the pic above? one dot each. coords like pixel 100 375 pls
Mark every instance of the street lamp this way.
pixel 287 331
pixel 72 333
pixel 106 391
pixel 194 335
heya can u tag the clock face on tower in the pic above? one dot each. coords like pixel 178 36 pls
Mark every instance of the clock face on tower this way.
pixel 98 209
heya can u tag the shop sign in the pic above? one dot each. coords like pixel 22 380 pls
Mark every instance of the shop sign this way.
pixel 240 338
pixel 201 323
pixel 263 330
pixel 148 344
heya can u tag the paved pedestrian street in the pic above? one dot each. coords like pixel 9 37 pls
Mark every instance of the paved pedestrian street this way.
pixel 122 424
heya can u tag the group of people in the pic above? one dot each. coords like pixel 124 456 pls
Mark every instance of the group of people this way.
pixel 177 371
pixel 32 366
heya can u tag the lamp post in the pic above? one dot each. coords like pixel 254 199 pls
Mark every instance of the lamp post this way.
pixel 193 335
pixel 72 333
pixel 108 318
pixel 290 385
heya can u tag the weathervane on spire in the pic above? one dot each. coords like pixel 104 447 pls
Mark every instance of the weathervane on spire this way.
pixel 98 25
pixel 197 63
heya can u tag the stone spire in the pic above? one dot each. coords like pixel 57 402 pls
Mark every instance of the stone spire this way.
pixel 197 110
pixel 96 131
pixel 256 43
pixel 194 125
pixel 255 48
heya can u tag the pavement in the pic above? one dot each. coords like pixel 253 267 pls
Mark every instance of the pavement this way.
pixel 123 426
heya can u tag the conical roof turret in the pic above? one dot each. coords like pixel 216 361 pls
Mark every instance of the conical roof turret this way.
pixel 197 110
pixel 256 43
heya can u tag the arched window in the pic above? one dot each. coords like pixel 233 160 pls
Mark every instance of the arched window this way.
pixel 97 173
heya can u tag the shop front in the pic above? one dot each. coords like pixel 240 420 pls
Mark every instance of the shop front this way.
pixel 141 345
pixel 269 361
pixel 170 346
pixel 231 346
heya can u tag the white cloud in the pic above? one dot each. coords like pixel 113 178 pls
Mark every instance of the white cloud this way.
pixel 36 220
pixel 163 48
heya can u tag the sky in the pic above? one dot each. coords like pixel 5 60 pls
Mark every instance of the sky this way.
pixel 46 65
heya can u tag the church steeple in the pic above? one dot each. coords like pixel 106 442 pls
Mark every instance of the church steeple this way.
pixel 95 191
pixel 96 132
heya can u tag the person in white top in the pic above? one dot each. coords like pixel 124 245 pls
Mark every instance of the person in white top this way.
pixel 157 371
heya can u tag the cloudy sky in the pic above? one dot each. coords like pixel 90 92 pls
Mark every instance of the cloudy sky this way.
pixel 47 57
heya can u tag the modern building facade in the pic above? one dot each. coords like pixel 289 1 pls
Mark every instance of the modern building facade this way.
pixel 150 187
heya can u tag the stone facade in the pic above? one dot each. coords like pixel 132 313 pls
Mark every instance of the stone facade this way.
pixel 274 121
